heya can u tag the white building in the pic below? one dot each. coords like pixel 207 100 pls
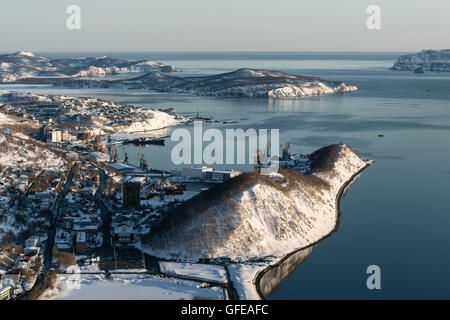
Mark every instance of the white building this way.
pixel 54 136
pixel 196 172
pixel 220 175
pixel 123 233
pixel 66 136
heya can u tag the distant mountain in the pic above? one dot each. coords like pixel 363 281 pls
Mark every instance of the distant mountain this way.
pixel 25 64
pixel 244 82
pixel 427 60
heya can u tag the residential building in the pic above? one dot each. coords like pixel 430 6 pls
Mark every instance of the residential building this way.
pixel 220 175
pixel 81 242
pixel 196 172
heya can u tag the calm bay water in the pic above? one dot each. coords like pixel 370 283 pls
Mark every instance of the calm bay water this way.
pixel 396 215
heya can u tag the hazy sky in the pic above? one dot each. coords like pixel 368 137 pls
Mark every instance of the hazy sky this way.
pixel 225 25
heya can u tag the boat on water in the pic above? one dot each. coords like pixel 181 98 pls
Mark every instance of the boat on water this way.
pixel 144 141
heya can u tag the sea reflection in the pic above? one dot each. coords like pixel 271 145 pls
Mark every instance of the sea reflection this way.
pixel 273 277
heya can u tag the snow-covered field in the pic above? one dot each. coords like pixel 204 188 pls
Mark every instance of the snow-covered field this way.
pixel 128 287
pixel 206 272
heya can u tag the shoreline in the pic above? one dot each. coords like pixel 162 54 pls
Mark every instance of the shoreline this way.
pixel 260 274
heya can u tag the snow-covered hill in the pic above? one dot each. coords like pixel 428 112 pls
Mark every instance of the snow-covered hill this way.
pixel 429 60
pixel 25 64
pixel 256 216
pixel 245 82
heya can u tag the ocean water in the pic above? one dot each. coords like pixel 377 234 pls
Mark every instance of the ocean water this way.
pixel 396 215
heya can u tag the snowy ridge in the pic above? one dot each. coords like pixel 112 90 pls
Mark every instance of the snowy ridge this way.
pixel 154 120
pixel 25 64
pixel 429 60
pixel 252 83
pixel 263 219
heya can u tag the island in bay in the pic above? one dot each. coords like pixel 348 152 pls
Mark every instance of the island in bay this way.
pixel 425 60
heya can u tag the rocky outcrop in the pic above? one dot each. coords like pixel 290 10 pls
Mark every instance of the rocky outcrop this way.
pixel 427 60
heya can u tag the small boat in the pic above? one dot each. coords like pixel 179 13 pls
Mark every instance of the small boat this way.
pixel 144 141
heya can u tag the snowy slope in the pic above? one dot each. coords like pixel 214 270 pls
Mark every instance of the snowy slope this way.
pixel 253 83
pixel 154 120
pixel 255 216
pixel 429 60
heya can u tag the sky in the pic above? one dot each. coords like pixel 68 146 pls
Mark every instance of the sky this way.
pixel 225 25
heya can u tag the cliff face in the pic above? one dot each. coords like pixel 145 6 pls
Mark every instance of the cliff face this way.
pixel 253 215
pixel 429 60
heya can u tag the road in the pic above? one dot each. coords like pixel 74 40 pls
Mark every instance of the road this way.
pixel 55 218
pixel 232 293
pixel 106 214
pixel 57 209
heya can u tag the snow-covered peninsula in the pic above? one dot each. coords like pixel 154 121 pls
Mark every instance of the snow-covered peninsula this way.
pixel 25 64
pixel 102 117
pixel 256 216
pixel 252 83
pixel 427 60
pixel 257 220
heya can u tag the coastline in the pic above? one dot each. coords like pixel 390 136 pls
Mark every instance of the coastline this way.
pixel 260 274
